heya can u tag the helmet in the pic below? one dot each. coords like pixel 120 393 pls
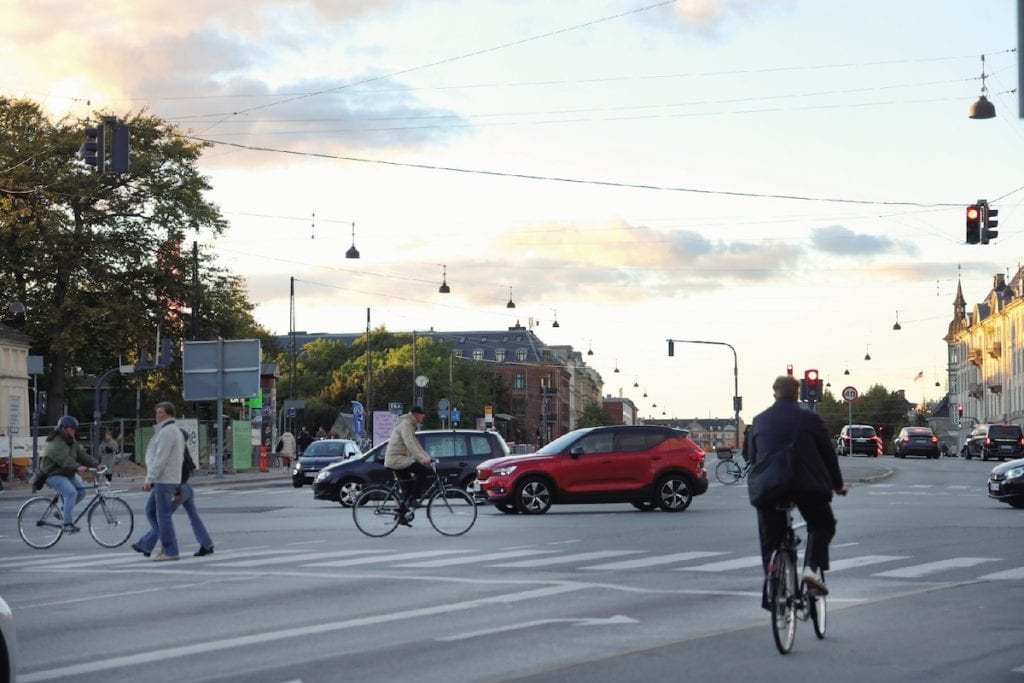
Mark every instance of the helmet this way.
pixel 67 421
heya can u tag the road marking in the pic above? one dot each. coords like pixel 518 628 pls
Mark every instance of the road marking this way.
pixel 863 561
pixel 919 570
pixel 725 565
pixel 1004 575
pixel 653 561
pixel 583 621
pixel 566 559
pixel 301 557
pixel 276 635
pixel 451 561
pixel 386 558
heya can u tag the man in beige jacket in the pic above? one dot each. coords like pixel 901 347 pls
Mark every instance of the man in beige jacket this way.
pixel 406 457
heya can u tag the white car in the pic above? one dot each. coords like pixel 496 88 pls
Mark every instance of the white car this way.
pixel 8 648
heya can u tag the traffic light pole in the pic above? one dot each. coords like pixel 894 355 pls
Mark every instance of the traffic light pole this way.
pixel 737 401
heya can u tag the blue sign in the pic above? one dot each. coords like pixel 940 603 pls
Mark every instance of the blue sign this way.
pixel 456 416
pixel 357 418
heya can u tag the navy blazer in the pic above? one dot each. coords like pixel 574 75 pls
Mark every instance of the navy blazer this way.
pixel 817 466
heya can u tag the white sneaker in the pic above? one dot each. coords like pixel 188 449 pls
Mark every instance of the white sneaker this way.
pixel 815 581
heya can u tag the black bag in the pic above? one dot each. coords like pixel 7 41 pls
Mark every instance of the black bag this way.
pixel 772 476
pixel 188 465
pixel 37 480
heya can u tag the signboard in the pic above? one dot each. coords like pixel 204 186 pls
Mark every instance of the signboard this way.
pixel 191 427
pixel 383 424
pixel 226 368
pixel 849 394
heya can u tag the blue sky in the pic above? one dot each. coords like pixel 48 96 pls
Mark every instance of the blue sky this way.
pixel 782 176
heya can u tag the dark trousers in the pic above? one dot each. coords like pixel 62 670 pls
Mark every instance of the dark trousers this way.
pixel 414 479
pixel 821 527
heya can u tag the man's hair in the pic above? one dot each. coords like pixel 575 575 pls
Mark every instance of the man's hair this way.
pixel 786 386
pixel 167 407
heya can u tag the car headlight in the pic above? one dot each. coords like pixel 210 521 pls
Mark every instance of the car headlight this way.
pixel 504 471
pixel 1015 473
pixel 321 475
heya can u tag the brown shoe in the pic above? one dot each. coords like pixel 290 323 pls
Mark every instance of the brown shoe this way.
pixel 161 557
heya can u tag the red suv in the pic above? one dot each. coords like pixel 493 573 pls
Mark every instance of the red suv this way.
pixel 647 466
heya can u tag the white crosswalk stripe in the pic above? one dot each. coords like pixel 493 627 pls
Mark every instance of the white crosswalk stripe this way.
pixel 862 561
pixel 475 559
pixel 567 559
pixel 1005 575
pixel 386 559
pixel 928 568
pixel 293 559
pixel 642 562
pixel 725 565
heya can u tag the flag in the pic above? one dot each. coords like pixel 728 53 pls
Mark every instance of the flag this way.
pixel 919 375
pixel 358 425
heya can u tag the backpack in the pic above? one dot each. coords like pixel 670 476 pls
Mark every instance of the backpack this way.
pixel 188 465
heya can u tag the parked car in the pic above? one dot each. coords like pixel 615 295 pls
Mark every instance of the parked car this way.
pixel 1006 483
pixel 644 465
pixel 858 439
pixel 319 455
pixel 8 644
pixel 916 441
pixel 995 441
pixel 457 452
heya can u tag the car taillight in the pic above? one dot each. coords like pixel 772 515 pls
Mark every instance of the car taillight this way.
pixel 906 439
pixel 935 439
pixel 988 441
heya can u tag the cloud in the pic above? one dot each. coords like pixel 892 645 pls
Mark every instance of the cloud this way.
pixel 841 241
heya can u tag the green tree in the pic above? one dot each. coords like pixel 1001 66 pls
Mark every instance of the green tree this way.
pixel 593 415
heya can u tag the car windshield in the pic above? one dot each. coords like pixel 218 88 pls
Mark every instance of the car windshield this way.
pixel 562 442
pixel 326 449
pixel 860 432
pixel 919 432
pixel 1004 432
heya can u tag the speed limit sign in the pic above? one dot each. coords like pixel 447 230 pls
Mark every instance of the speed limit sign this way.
pixel 849 394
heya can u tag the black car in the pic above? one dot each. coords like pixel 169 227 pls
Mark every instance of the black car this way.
pixel 858 439
pixel 319 455
pixel 456 451
pixel 1006 483
pixel 995 441
pixel 917 441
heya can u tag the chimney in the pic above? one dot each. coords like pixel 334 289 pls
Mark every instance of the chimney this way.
pixel 999 282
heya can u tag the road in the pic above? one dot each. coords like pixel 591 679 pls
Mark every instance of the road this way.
pixel 927 580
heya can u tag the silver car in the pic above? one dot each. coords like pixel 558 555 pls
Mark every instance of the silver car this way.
pixel 8 647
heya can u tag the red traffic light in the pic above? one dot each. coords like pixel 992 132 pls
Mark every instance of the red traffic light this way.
pixel 973 212
pixel 811 375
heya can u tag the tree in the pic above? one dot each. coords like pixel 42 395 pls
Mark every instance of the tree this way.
pixel 98 260
pixel 593 415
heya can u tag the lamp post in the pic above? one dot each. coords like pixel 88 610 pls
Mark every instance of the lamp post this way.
pixel 737 400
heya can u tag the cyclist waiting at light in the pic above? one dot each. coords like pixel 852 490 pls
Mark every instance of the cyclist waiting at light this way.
pixel 62 460
pixel 407 459
pixel 815 476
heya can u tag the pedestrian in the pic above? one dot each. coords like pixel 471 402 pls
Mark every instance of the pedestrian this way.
pixel 814 477
pixel 286 447
pixel 333 434
pixel 406 458
pixel 186 498
pixel 62 460
pixel 109 452
pixel 321 433
pixel 303 441
pixel 164 456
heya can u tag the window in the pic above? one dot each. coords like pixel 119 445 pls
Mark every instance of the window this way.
pixel 601 442
pixel 446 446
pixel 479 445
pixel 519 381
pixel 457 353
pixel 520 354
pixel 499 355
pixel 478 354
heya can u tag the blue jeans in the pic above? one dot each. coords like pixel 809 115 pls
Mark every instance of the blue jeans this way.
pixel 71 489
pixel 188 501
pixel 159 508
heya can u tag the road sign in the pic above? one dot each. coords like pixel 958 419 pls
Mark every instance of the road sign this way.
pixel 849 394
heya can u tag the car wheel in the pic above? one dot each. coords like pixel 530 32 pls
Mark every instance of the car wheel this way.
pixel 1016 502
pixel 348 491
pixel 507 508
pixel 297 483
pixel 673 493
pixel 533 496
pixel 643 505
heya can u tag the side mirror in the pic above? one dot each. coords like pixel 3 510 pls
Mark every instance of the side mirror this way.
pixel 576 451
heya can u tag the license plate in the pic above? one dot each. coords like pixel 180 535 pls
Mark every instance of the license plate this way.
pixel 1005 449
pixel 993 486
pixel 475 487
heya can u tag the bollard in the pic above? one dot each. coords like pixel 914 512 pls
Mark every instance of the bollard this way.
pixel 263 458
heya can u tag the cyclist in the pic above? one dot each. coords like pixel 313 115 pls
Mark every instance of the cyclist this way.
pixel 406 458
pixel 815 477
pixel 62 460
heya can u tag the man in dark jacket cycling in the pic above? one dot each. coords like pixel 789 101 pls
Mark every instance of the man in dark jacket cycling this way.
pixel 62 460
pixel 816 476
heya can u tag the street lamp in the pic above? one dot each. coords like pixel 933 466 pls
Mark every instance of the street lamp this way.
pixel 352 251
pixel 444 288
pixel 737 400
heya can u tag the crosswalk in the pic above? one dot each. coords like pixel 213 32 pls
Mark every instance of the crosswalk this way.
pixel 717 562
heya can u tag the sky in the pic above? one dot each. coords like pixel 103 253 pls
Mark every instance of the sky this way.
pixel 787 177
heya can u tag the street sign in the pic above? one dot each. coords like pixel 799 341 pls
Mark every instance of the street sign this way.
pixel 850 394
pixel 226 368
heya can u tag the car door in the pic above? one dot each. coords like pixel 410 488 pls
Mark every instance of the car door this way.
pixel 588 464
pixel 450 452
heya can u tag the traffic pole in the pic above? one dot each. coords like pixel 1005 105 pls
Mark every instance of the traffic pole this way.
pixel 263 458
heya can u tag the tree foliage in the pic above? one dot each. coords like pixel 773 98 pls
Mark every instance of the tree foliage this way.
pixel 884 410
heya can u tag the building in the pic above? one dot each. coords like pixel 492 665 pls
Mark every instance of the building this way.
pixel 622 410
pixel 15 410
pixel 709 433
pixel 985 353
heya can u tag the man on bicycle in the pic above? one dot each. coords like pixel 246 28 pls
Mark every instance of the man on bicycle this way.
pixel 407 459
pixel 815 476
pixel 62 460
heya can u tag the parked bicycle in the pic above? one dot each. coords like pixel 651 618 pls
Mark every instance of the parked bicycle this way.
pixel 378 511
pixel 728 471
pixel 109 518
pixel 790 597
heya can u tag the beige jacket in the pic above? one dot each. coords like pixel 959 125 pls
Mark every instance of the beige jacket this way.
pixel 165 453
pixel 403 446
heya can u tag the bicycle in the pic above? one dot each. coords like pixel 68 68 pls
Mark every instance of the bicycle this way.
pixel 788 596
pixel 377 511
pixel 110 519
pixel 728 471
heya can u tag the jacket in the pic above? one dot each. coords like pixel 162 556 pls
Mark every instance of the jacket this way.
pixel 165 453
pixel 816 467
pixel 61 457
pixel 403 447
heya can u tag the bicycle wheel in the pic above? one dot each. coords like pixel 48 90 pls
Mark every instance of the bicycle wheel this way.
pixel 728 472
pixel 39 522
pixel 782 594
pixel 452 512
pixel 819 614
pixel 111 521
pixel 375 512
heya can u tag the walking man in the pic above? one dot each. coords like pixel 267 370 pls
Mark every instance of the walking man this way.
pixel 164 455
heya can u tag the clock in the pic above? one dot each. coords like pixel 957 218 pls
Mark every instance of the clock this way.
pixel 422 381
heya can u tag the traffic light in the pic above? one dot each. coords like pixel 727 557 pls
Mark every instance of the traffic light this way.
pixel 92 150
pixel 671 347
pixel 973 224
pixel 988 223
pixel 119 147
pixel 813 383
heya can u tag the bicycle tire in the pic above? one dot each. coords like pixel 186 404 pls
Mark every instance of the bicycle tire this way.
pixel 783 597
pixel 819 614
pixel 452 512
pixel 111 521
pixel 728 472
pixel 375 512
pixel 38 526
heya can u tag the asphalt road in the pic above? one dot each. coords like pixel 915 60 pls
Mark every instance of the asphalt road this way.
pixel 927 582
